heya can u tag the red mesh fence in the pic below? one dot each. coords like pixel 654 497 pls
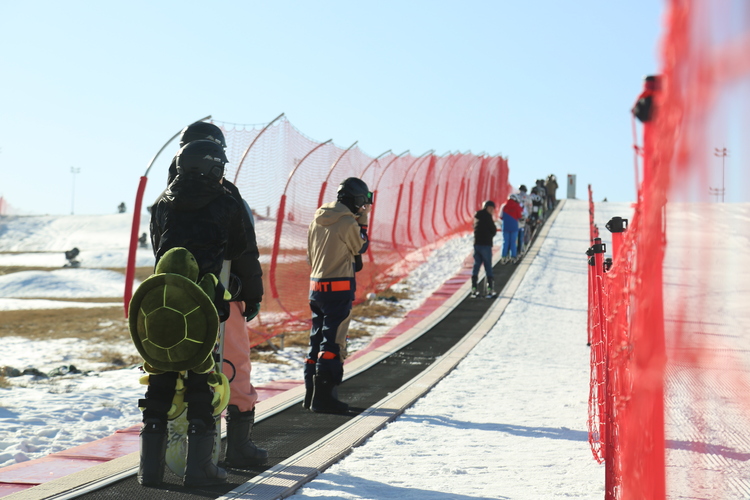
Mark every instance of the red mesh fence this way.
pixel 419 201
pixel 669 410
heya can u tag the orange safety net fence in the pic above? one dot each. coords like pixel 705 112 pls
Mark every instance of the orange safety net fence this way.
pixel 420 200
pixel 669 407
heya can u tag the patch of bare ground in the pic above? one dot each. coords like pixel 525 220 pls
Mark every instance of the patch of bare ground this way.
pixel 114 360
pixel 18 269
pixel 291 339
pixel 141 273
pixel 105 324
pixel 98 327
pixel 368 313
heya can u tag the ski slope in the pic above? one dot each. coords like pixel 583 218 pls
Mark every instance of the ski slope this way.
pixel 508 422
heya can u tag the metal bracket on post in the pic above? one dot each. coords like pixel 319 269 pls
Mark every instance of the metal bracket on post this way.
pixel 597 247
pixel 617 225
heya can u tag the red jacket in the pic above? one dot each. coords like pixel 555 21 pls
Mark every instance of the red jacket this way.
pixel 513 208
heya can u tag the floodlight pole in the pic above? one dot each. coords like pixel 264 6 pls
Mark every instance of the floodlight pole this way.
pixel 723 154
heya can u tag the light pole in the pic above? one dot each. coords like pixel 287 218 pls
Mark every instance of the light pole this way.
pixel 74 171
pixel 723 154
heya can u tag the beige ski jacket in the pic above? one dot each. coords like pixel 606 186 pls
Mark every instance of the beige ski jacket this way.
pixel 333 239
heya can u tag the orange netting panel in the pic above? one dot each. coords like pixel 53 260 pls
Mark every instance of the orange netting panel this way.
pixel 669 410
pixel 419 201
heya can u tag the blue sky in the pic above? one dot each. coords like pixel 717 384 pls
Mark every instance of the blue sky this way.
pixel 100 86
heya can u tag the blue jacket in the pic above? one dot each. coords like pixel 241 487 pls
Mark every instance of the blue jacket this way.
pixel 509 223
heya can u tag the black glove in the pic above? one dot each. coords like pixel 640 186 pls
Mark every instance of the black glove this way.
pixel 251 310
pixel 222 308
pixel 358 263
pixel 365 238
pixel 234 287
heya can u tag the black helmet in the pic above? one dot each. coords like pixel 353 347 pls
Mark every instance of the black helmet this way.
pixel 203 158
pixel 488 203
pixel 522 188
pixel 355 191
pixel 202 130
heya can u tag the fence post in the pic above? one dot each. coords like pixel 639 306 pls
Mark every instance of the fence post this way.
pixel 396 244
pixel 606 427
pixel 617 226
pixel 411 192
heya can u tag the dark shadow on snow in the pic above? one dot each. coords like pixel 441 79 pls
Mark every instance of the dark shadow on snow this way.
pixel 516 430
pixel 547 306
pixel 709 449
pixel 377 489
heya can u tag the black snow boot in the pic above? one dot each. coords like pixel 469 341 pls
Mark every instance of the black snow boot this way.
pixel 324 399
pixel 200 469
pixel 309 383
pixel 328 375
pixel 241 451
pixel 153 450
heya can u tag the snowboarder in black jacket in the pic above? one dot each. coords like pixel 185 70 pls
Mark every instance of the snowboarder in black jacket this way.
pixel 484 232
pixel 195 212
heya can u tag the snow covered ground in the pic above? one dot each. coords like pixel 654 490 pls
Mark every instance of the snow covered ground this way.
pixel 42 415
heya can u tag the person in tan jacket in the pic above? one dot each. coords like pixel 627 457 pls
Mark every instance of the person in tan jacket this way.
pixel 336 239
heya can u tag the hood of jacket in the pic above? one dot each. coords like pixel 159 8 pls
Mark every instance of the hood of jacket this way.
pixel 330 213
pixel 192 193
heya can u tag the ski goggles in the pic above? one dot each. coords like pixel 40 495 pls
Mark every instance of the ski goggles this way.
pixel 362 200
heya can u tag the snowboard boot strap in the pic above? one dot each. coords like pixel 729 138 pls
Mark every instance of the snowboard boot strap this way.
pixel 153 450
pixel 200 469
pixel 241 451
pixel 309 373
pixel 159 395
pixel 199 398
